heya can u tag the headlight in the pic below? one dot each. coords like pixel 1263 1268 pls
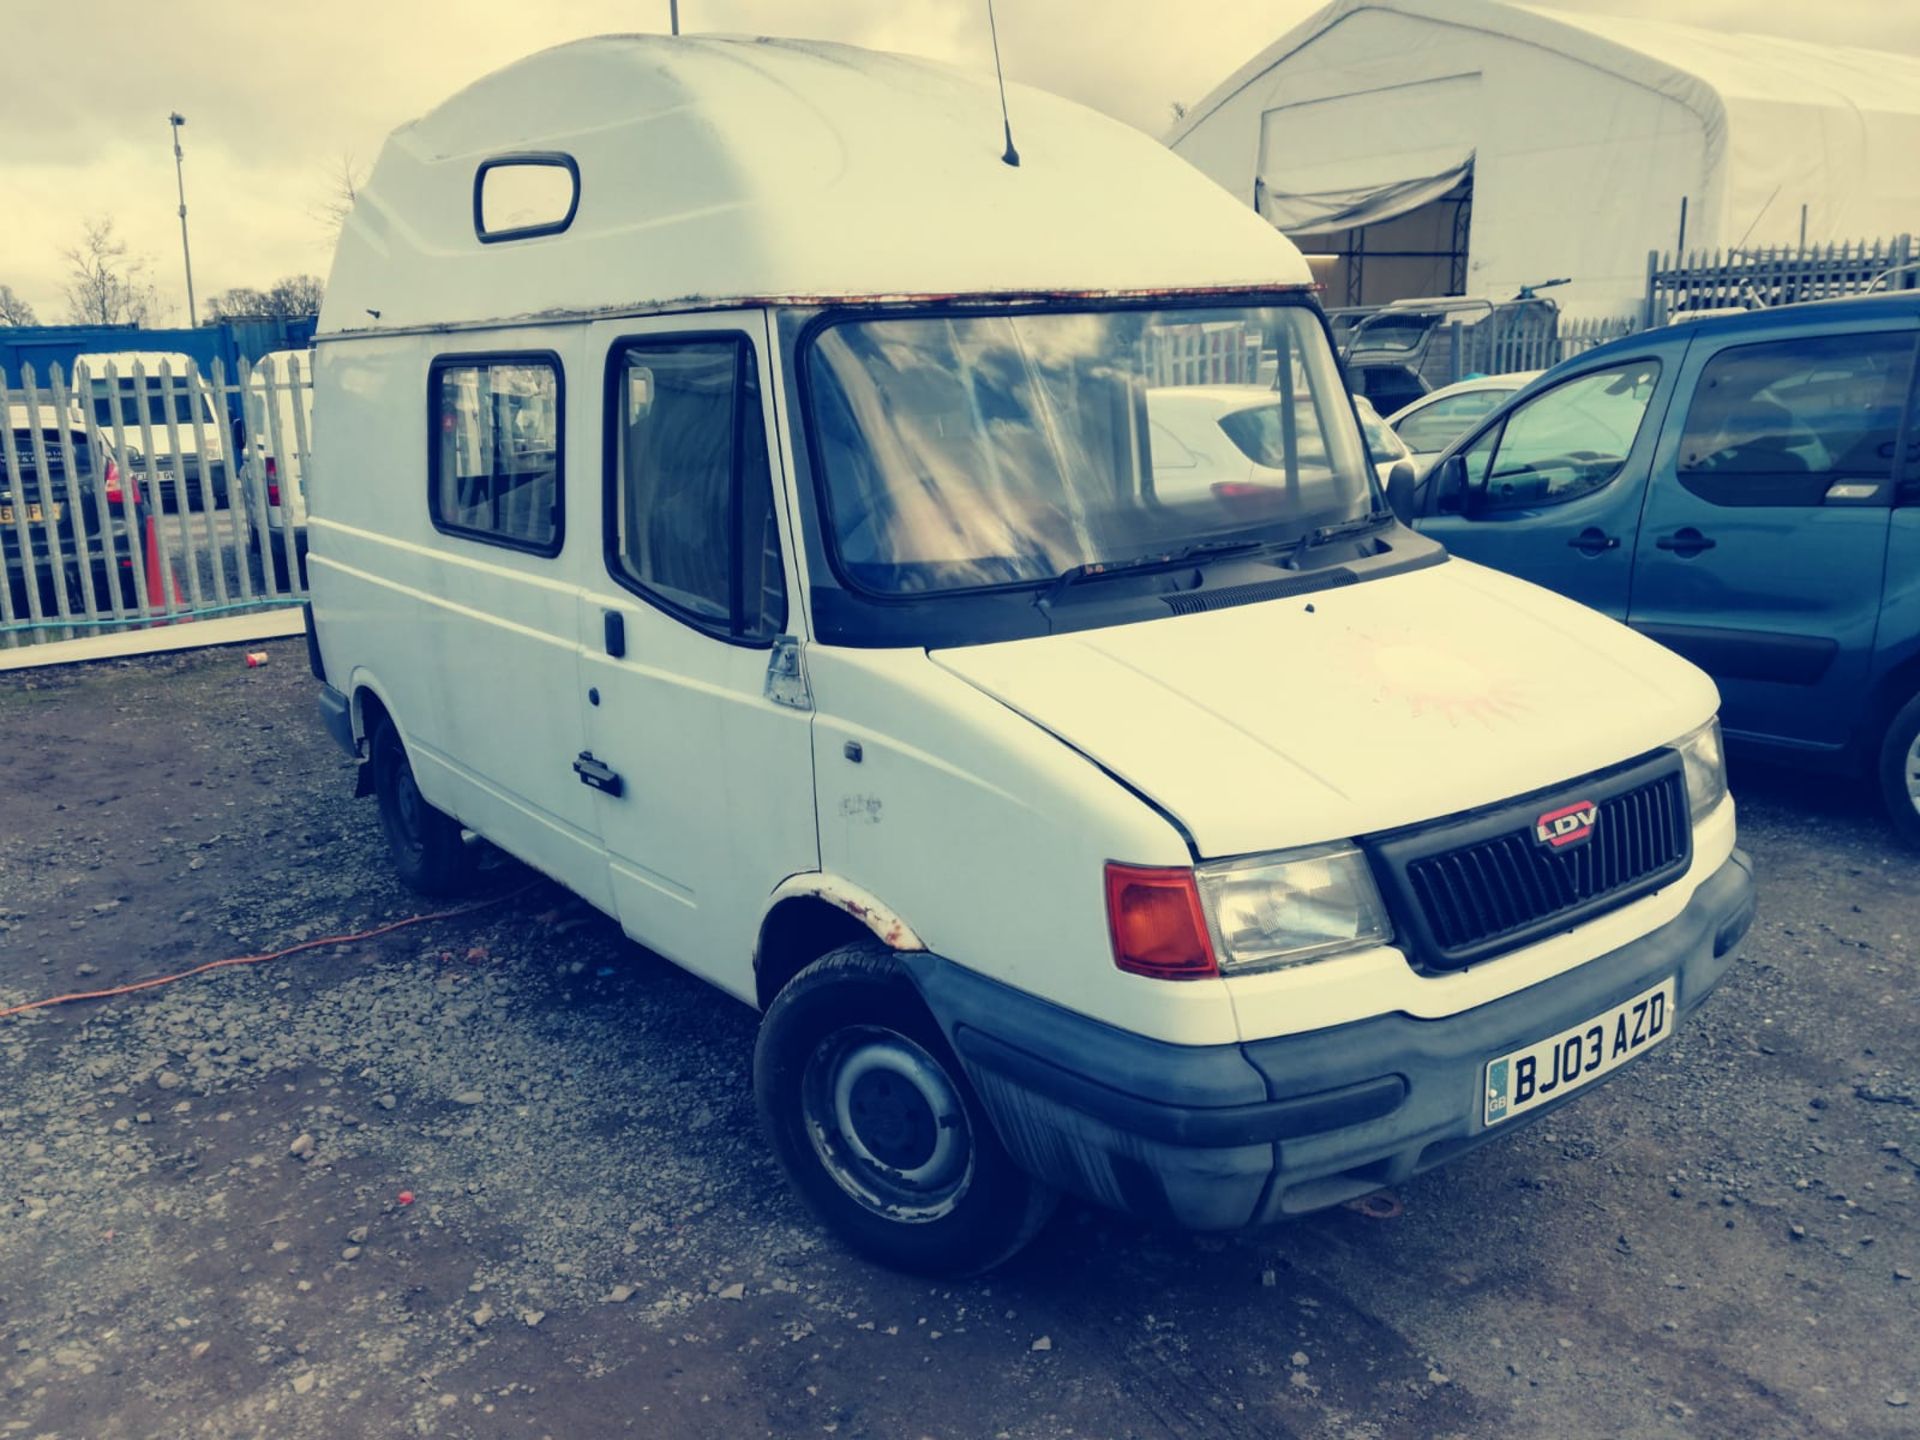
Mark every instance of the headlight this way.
pixel 1274 910
pixel 1706 767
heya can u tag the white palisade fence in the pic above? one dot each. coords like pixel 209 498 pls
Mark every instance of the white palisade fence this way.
pixel 146 494
pixel 1204 353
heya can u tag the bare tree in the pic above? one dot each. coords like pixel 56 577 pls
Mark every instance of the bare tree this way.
pixel 290 297
pixel 104 286
pixel 342 189
pixel 14 310
pixel 296 295
pixel 243 302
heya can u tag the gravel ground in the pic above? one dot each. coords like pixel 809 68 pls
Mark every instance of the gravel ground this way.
pixel 498 1175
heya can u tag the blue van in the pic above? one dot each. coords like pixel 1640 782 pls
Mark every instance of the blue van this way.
pixel 1745 490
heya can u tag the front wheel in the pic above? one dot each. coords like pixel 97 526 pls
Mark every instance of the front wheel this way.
pixel 426 845
pixel 875 1124
pixel 1900 771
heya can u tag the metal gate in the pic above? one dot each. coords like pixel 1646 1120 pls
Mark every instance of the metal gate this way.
pixel 140 492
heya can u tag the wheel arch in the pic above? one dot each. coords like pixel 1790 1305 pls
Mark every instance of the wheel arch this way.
pixel 1898 684
pixel 366 706
pixel 367 702
pixel 809 915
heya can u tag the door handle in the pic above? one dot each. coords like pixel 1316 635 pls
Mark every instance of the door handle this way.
pixel 1594 541
pixel 1686 542
pixel 597 774
pixel 613 629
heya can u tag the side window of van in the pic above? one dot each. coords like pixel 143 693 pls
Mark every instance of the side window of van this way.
pixel 1566 443
pixel 1779 424
pixel 690 520
pixel 495 453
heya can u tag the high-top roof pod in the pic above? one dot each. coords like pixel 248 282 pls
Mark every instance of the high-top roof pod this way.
pixel 947 605
pixel 723 170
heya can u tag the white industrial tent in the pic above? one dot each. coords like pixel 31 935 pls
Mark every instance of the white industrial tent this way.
pixel 1429 147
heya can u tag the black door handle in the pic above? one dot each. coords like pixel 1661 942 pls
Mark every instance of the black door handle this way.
pixel 1686 542
pixel 597 774
pixel 614 632
pixel 1594 541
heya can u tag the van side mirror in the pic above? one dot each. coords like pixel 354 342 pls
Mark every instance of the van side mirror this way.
pixel 1450 485
pixel 1400 483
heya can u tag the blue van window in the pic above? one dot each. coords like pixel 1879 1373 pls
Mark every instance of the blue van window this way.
pixel 1436 426
pixel 1777 424
pixel 1568 442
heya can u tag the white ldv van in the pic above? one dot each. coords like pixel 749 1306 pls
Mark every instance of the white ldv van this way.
pixel 172 429
pixel 737 496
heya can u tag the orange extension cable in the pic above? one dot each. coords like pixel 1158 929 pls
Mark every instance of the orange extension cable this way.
pixel 325 940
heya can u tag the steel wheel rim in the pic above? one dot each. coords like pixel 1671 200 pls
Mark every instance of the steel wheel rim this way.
pixel 887 1124
pixel 407 800
pixel 1912 771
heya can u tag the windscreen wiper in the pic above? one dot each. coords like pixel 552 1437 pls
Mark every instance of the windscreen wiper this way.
pixel 1327 534
pixel 1140 564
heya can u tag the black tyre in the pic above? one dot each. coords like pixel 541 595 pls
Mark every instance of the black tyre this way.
pixel 873 1119
pixel 426 845
pixel 1900 771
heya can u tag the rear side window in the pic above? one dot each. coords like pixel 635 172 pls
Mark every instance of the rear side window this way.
pixel 56 444
pixel 1780 424
pixel 1383 443
pixel 690 519
pixel 494 471
pixel 1566 443
pixel 1259 433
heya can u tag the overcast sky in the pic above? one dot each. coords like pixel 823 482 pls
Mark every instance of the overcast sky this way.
pixel 276 95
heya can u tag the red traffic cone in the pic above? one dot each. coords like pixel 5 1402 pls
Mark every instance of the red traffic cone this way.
pixel 163 591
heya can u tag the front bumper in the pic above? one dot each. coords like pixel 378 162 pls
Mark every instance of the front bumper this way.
pixel 1215 1137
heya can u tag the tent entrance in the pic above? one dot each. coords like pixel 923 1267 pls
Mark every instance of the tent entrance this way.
pixel 1394 251
pixel 1376 182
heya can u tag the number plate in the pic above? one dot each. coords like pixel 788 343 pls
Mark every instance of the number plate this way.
pixel 1549 1068
pixel 35 515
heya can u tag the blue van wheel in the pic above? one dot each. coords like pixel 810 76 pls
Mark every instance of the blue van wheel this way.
pixel 1900 771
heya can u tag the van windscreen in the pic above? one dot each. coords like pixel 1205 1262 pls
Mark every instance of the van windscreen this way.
pixel 970 451
pixel 158 390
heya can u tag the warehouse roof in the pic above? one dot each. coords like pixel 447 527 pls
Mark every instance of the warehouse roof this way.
pixel 1786 122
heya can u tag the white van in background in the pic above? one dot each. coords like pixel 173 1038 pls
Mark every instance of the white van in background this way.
pixel 170 428
pixel 743 500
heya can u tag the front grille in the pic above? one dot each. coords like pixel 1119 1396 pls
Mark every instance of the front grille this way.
pixel 1473 886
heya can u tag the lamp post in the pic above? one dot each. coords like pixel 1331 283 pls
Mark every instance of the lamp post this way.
pixel 176 120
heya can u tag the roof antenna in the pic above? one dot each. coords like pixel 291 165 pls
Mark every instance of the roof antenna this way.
pixel 1012 157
